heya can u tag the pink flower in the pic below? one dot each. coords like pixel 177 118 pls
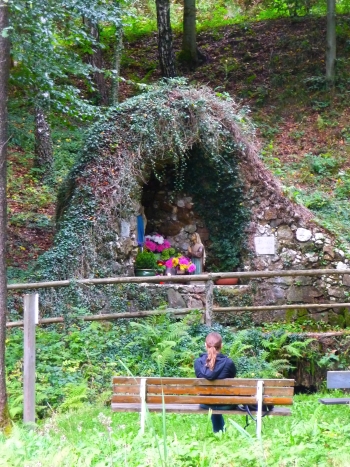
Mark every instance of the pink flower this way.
pixel 166 244
pixel 191 268
pixel 183 260
pixel 150 245
pixel 169 263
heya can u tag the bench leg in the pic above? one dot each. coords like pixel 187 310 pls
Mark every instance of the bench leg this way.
pixel 143 404
pixel 259 398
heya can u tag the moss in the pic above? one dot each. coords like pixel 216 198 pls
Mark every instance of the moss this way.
pixel 296 314
pixel 302 313
pixel 340 318
pixel 5 421
pixel 290 315
pixel 346 317
pixel 336 319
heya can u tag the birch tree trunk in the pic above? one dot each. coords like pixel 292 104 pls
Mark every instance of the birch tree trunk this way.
pixel 4 75
pixel 43 147
pixel 331 42
pixel 165 39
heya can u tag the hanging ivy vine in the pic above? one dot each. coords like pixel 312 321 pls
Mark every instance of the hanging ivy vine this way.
pixel 217 191
pixel 144 134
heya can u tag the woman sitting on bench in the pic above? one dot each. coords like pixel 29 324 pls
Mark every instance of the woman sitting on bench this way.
pixel 214 365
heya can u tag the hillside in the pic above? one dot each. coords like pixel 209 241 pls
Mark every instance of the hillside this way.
pixel 276 68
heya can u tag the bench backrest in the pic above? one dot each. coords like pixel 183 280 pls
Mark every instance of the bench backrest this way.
pixel 201 391
pixel 338 379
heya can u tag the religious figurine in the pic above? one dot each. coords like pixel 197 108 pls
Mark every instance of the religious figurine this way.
pixel 197 252
pixel 141 227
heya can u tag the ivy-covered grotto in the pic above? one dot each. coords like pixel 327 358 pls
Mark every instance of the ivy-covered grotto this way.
pixel 187 160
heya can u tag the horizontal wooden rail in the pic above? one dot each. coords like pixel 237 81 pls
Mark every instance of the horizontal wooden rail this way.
pixel 208 279
pixel 107 317
pixel 179 278
pixel 281 307
pixel 183 311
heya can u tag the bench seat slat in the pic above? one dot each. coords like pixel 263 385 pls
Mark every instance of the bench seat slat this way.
pixel 235 382
pixel 218 400
pixel 194 408
pixel 338 400
pixel 203 399
pixel 126 389
pixel 225 390
pixel 125 398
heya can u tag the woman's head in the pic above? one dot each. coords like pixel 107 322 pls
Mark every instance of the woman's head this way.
pixel 213 344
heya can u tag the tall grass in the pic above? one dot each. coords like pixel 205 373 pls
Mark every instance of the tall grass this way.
pixel 315 435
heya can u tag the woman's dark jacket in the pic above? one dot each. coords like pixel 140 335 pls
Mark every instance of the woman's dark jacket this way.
pixel 224 367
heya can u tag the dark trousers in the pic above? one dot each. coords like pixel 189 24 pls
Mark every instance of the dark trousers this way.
pixel 217 420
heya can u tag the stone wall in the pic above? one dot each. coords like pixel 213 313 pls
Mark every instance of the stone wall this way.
pixel 173 215
pixel 278 242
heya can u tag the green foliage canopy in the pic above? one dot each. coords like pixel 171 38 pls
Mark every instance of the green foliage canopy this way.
pixel 49 41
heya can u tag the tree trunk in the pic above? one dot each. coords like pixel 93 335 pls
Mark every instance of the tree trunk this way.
pixel 331 42
pixel 96 61
pixel 165 39
pixel 43 148
pixel 116 66
pixel 4 75
pixel 189 52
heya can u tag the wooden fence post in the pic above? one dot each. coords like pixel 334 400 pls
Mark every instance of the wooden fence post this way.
pixel 209 300
pixel 31 310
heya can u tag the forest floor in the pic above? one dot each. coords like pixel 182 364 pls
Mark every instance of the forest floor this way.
pixel 274 67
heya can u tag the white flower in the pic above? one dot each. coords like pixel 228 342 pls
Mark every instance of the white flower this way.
pixel 159 239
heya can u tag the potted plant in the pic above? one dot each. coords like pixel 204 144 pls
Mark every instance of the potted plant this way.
pixel 145 264
pixel 227 281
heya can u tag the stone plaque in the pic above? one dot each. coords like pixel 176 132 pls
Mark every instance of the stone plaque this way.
pixel 303 235
pixel 264 245
pixel 125 229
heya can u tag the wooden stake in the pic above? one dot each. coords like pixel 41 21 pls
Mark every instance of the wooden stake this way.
pixel 31 307
pixel 209 300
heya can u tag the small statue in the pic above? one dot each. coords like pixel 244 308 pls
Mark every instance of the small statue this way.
pixel 141 221
pixel 197 252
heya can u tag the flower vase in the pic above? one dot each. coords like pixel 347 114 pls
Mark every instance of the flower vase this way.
pixel 170 271
pixel 180 272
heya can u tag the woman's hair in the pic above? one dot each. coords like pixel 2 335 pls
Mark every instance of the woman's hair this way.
pixel 214 343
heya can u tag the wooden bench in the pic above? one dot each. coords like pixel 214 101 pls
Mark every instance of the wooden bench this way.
pixel 337 380
pixel 184 395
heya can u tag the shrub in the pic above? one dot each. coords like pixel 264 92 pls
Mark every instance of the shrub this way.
pixel 145 260
pixel 323 165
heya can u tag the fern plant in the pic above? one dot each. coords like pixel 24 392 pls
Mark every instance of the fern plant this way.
pixel 238 348
pixel 75 396
pixel 280 347
pixel 162 338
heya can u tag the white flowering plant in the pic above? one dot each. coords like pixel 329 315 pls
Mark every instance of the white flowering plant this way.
pixel 156 243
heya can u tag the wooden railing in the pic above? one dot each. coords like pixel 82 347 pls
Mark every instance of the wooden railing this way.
pixel 31 310
pixel 209 280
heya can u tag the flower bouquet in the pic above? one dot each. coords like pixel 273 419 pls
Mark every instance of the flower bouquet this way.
pixel 167 258
pixel 156 243
pixel 182 264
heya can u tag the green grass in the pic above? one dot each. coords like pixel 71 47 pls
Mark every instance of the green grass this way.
pixel 315 435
